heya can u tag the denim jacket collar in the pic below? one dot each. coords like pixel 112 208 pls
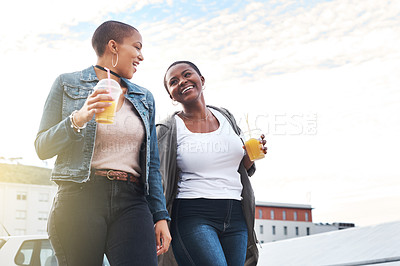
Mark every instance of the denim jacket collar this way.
pixel 88 75
pixel 135 89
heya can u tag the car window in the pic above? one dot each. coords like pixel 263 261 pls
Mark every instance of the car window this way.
pixel 2 242
pixel 39 252
pixel 47 256
pixel 24 254
pixel 35 252
pixel 105 261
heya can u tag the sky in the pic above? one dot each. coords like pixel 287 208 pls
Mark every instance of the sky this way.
pixel 319 78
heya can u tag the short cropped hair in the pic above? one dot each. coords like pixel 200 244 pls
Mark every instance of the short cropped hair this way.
pixel 177 63
pixel 110 30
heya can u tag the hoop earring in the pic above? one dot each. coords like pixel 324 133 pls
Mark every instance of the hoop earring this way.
pixel 174 103
pixel 112 60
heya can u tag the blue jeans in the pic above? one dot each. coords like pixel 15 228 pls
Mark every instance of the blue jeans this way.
pixel 102 216
pixel 208 232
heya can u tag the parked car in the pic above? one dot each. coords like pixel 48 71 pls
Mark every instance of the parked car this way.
pixel 29 250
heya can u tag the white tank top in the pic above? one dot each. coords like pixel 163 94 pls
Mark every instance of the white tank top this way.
pixel 209 162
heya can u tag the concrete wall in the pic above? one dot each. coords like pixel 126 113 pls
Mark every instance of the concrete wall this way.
pixel 266 234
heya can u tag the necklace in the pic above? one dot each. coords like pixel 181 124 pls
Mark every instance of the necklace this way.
pixel 198 119
pixel 111 72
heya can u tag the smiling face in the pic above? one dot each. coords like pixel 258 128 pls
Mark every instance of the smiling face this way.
pixel 184 84
pixel 129 55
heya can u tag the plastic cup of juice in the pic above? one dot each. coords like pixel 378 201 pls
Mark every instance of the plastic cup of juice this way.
pixel 254 149
pixel 107 116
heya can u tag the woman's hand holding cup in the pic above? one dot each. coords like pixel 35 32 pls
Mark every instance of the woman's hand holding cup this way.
pixel 255 148
pixel 263 142
pixel 95 103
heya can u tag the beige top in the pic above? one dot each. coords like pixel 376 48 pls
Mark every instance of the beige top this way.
pixel 117 145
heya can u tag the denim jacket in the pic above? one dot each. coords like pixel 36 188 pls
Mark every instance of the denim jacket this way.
pixel 167 142
pixel 74 150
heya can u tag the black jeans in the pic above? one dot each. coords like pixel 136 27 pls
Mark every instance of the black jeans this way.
pixel 102 217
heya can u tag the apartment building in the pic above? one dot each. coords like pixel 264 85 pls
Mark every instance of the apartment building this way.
pixel 24 208
pixel 277 221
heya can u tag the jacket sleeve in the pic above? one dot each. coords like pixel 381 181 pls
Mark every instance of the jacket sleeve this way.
pixel 161 130
pixel 156 197
pixel 55 132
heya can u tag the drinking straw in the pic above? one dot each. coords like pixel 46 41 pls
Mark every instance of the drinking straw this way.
pixel 108 72
pixel 108 79
pixel 248 125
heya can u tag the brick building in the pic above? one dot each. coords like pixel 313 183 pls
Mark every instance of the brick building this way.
pixel 277 221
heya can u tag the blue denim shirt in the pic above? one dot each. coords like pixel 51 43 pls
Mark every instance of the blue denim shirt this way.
pixel 74 150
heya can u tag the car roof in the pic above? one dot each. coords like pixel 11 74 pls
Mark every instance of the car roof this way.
pixel 25 237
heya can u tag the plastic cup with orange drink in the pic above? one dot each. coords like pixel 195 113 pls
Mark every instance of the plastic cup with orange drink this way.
pixel 254 149
pixel 114 89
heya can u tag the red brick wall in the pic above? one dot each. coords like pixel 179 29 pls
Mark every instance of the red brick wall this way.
pixel 278 213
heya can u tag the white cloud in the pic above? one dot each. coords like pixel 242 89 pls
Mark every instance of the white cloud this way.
pixel 329 35
pixel 45 17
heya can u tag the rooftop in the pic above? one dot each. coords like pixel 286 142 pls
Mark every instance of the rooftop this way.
pixel 377 245
pixel 25 174
pixel 282 205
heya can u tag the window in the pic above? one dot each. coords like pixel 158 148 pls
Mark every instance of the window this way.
pixel 272 214
pixel 44 197
pixel 21 195
pixel 297 231
pixel 46 252
pixel 295 216
pixel 308 231
pixel 42 216
pixel 261 229
pixel 260 214
pixel 34 252
pixel 306 216
pixel 284 215
pixel 21 215
pixel 273 230
pixel 285 230
pixel 24 254
pixel 2 242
